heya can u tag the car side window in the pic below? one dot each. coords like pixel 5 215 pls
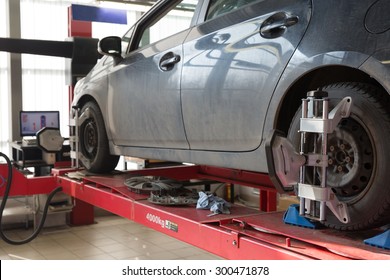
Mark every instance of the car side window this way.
pixel 220 7
pixel 173 21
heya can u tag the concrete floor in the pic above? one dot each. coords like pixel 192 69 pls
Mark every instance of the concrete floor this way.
pixel 110 238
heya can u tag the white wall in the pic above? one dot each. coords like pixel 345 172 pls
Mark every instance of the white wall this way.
pixel 4 88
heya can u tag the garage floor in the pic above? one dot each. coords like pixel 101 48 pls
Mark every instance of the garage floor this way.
pixel 111 238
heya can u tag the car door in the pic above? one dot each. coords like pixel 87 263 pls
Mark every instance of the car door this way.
pixel 144 88
pixel 232 63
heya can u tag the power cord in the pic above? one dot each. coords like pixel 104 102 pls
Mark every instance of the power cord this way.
pixel 4 201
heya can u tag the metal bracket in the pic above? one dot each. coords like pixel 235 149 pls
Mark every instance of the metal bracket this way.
pixel 283 162
pixel 234 239
pixel 317 193
pixel 321 123
pixel 339 209
pixel 288 168
pixel 74 139
pixel 327 124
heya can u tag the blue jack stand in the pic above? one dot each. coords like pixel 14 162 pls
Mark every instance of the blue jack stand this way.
pixel 292 217
pixel 381 241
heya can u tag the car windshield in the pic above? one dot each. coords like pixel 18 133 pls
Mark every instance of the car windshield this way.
pixel 126 39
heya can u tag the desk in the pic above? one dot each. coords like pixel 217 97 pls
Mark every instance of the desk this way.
pixel 32 156
pixel 28 156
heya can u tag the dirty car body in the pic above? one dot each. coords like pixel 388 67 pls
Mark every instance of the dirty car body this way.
pixel 211 90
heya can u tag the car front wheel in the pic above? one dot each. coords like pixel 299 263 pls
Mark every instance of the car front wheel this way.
pixel 358 156
pixel 93 141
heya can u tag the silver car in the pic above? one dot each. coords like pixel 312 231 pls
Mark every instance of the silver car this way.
pixel 211 88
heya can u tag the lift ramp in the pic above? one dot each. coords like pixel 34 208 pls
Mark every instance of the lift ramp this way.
pixel 245 233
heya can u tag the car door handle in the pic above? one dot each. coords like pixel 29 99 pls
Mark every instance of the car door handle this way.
pixel 277 24
pixel 168 61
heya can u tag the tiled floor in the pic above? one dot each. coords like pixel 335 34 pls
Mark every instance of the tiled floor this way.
pixel 110 238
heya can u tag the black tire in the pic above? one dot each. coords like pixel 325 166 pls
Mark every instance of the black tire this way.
pixel 94 143
pixel 359 156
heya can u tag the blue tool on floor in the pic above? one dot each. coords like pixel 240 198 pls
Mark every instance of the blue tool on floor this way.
pixel 381 240
pixel 292 217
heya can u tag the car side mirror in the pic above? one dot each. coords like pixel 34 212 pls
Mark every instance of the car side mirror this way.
pixel 111 46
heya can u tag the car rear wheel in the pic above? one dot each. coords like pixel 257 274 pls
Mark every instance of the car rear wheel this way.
pixel 358 156
pixel 94 142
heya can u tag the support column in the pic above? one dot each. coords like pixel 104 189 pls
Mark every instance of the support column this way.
pixel 15 67
pixel 268 201
pixel 77 28
pixel 83 212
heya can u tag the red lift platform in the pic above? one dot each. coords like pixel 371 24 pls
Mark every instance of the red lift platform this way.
pixel 244 234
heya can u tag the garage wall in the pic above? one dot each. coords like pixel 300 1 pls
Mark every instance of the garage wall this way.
pixel 43 78
pixel 4 87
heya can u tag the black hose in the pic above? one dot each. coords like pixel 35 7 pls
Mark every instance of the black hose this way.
pixel 4 201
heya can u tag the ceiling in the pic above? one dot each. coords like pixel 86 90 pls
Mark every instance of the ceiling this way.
pixel 143 2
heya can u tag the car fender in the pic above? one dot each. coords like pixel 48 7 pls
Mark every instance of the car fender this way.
pixel 378 67
pixel 94 87
pixel 298 67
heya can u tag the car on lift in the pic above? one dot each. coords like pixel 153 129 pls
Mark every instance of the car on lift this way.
pixel 205 81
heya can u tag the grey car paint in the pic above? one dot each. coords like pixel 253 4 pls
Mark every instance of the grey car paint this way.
pixel 219 117
pixel 148 99
pixel 230 70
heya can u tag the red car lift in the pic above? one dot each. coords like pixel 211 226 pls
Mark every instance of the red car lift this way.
pixel 244 234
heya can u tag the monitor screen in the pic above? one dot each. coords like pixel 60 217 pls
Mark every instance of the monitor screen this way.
pixel 33 121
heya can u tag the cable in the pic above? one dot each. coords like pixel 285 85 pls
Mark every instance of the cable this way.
pixel 4 201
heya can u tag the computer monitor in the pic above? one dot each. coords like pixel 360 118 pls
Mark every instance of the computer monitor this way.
pixel 33 121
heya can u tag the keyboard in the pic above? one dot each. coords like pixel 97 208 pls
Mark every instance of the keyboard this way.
pixel 29 142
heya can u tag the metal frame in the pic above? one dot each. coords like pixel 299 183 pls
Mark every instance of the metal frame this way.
pixel 244 234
